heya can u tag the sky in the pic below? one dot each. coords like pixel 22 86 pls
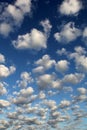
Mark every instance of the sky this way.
pixel 43 64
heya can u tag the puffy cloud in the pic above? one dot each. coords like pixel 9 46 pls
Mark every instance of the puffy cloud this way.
pixel 47 26
pixel 62 52
pixel 80 59
pixel 44 81
pixel 34 40
pixel 64 103
pixel 26 92
pixel 50 103
pixel 85 35
pixel 5 28
pixel 2 58
pixel 10 20
pixel 25 79
pixel 62 65
pixel 68 33
pixel 69 7
pixel 24 6
pixel 3 89
pixel 45 63
pixel 5 71
pixel 82 90
pixel 17 16
pixel 73 78
pixel 4 103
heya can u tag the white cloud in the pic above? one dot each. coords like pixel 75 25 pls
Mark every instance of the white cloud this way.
pixel 73 78
pixel 68 33
pixel 70 7
pixel 11 20
pixel 85 35
pixel 80 58
pixel 26 92
pixel 2 58
pixel 17 16
pixel 25 79
pixel 45 62
pixel 47 26
pixel 3 89
pixel 4 103
pixel 5 71
pixel 62 66
pixel 24 6
pixel 34 40
pixel 44 81
pixel 82 90
pixel 5 28
pixel 64 103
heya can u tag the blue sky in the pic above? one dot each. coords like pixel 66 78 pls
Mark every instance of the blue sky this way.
pixel 43 64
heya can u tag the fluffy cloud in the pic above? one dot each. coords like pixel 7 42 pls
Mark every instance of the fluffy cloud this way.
pixel 44 63
pixel 5 28
pixel 68 33
pixel 4 103
pixel 2 58
pixel 26 92
pixel 3 89
pixel 25 79
pixel 69 7
pixel 80 58
pixel 34 40
pixel 82 90
pixel 46 26
pixel 10 19
pixel 85 35
pixel 64 103
pixel 73 78
pixel 44 81
pixel 5 71
pixel 62 65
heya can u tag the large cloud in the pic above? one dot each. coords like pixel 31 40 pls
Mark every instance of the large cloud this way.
pixel 34 40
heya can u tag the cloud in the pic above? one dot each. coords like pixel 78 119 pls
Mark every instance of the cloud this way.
pixel 44 81
pixel 69 7
pixel 34 40
pixel 62 66
pixel 26 92
pixel 2 58
pixel 46 26
pixel 5 28
pixel 4 103
pixel 80 58
pixel 25 79
pixel 68 33
pixel 3 89
pixel 84 36
pixel 73 78
pixel 5 71
pixel 64 103
pixel 82 90
pixel 11 20
pixel 44 64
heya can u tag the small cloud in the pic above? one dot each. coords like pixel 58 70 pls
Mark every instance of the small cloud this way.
pixel 68 33
pixel 69 7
